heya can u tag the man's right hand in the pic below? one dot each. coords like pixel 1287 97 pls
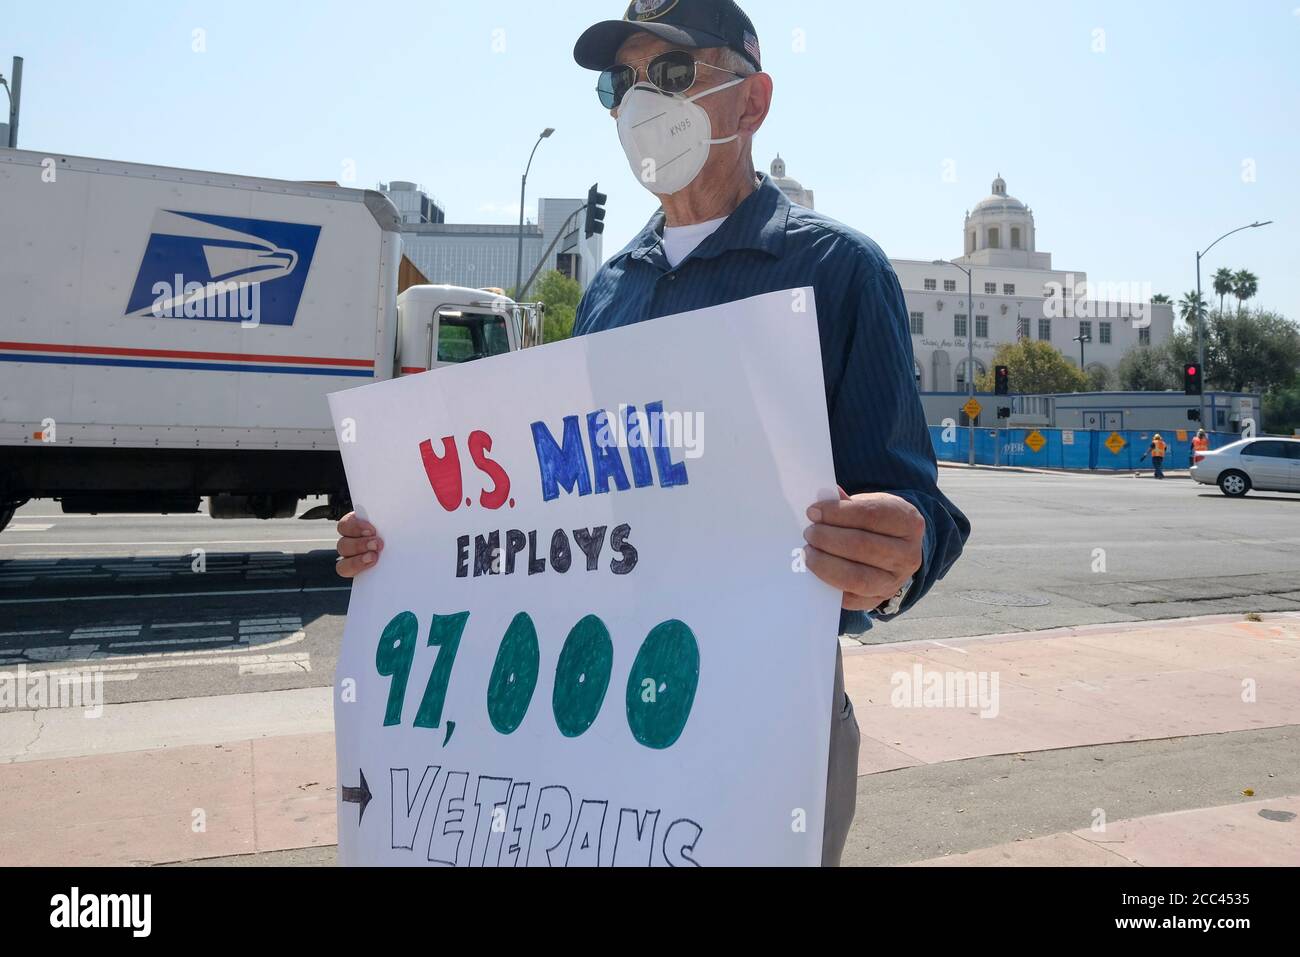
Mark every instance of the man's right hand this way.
pixel 359 547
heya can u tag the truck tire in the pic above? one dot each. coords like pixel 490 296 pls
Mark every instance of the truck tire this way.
pixel 1234 484
pixel 6 515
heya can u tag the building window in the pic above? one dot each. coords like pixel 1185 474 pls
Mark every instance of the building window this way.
pixel 930 285
pixel 950 285
pixel 1008 289
pixel 1105 333
pixel 1045 330
pixel 990 289
pixel 993 237
pixel 1015 237
pixel 981 327
pixel 1085 328
pixel 959 324
pixel 1022 330
pixel 917 322
pixel 1144 336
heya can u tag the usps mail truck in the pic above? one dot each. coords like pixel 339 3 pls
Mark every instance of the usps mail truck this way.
pixel 169 335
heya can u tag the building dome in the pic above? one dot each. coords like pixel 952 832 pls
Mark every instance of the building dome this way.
pixel 778 174
pixel 792 188
pixel 999 230
pixel 999 201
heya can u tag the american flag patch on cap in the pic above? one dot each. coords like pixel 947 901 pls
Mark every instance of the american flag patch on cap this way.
pixel 751 47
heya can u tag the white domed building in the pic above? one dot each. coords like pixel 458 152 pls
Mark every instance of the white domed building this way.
pixel 1000 232
pixel 792 188
pixel 1018 295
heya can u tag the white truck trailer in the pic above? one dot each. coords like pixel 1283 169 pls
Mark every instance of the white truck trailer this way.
pixel 168 335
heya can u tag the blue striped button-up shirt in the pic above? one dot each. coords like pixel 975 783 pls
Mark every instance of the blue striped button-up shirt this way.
pixel 878 433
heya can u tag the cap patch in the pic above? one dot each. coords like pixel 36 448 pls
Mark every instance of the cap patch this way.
pixel 641 10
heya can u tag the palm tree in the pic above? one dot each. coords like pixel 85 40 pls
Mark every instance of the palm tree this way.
pixel 1244 286
pixel 1223 283
pixel 1189 305
pixel 1159 297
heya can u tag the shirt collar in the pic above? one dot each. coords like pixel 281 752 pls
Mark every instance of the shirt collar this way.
pixel 759 222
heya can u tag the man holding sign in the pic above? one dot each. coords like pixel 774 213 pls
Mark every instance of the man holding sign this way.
pixel 683 80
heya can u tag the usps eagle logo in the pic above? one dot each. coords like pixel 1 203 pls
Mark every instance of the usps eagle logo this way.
pixel 224 268
pixel 649 9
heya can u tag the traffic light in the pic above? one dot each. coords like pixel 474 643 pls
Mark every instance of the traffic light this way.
pixel 1193 415
pixel 1002 380
pixel 1004 412
pixel 1192 379
pixel 595 212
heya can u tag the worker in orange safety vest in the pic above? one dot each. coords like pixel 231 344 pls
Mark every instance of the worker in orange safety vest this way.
pixel 1157 452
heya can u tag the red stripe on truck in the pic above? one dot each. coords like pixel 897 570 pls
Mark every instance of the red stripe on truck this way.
pixel 180 354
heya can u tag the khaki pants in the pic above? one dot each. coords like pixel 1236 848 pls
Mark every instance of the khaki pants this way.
pixel 841 771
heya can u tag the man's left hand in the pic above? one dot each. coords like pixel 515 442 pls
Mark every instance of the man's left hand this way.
pixel 867 546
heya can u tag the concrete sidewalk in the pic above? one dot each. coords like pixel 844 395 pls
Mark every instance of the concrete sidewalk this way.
pixel 1009 749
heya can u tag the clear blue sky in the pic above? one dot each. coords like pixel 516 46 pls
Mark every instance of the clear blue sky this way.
pixel 1131 157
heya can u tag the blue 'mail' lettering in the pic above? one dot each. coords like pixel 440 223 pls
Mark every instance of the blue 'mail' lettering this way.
pixel 605 461
pixel 561 467
pixel 670 473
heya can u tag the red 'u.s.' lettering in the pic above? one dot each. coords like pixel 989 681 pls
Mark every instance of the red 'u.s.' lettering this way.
pixel 446 480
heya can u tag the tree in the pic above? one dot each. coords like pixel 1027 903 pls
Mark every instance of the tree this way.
pixel 1159 297
pixel 1187 307
pixel 1035 368
pixel 1100 379
pixel 1282 411
pixel 1244 286
pixel 1146 369
pixel 1251 351
pixel 560 295
pixel 1224 280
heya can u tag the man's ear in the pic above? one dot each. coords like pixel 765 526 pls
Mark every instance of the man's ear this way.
pixel 758 100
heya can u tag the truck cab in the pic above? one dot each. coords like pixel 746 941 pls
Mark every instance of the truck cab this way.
pixel 447 325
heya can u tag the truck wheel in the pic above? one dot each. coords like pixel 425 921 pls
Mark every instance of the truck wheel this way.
pixel 1234 484
pixel 6 515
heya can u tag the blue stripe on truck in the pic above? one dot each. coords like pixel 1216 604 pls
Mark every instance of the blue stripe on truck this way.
pixel 205 366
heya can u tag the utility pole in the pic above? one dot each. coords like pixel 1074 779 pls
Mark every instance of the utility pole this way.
pixel 14 87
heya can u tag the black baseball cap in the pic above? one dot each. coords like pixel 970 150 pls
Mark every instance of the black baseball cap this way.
pixel 701 24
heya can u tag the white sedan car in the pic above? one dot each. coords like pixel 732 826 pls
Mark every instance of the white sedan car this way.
pixel 1269 464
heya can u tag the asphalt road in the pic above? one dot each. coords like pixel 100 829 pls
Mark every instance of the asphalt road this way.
pixel 263 610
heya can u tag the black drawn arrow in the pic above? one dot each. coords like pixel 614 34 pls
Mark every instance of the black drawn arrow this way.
pixel 358 795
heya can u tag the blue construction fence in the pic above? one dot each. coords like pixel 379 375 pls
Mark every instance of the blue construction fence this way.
pixel 1067 448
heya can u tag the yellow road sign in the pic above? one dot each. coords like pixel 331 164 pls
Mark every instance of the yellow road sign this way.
pixel 1116 443
pixel 972 409
pixel 1035 440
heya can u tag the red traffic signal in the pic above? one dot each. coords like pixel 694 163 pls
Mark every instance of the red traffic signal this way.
pixel 1192 379
pixel 1001 380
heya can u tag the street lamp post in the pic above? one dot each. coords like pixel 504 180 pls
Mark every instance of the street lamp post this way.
pixel 523 184
pixel 970 344
pixel 1200 309
pixel 1081 338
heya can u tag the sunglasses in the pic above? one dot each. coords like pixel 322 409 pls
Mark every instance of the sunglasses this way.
pixel 672 73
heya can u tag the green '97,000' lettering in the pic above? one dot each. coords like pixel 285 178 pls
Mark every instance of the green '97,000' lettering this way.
pixel 660 687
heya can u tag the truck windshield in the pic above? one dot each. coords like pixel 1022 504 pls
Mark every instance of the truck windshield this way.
pixel 471 336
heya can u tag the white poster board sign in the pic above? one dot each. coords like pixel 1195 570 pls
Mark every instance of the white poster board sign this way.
pixel 589 642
